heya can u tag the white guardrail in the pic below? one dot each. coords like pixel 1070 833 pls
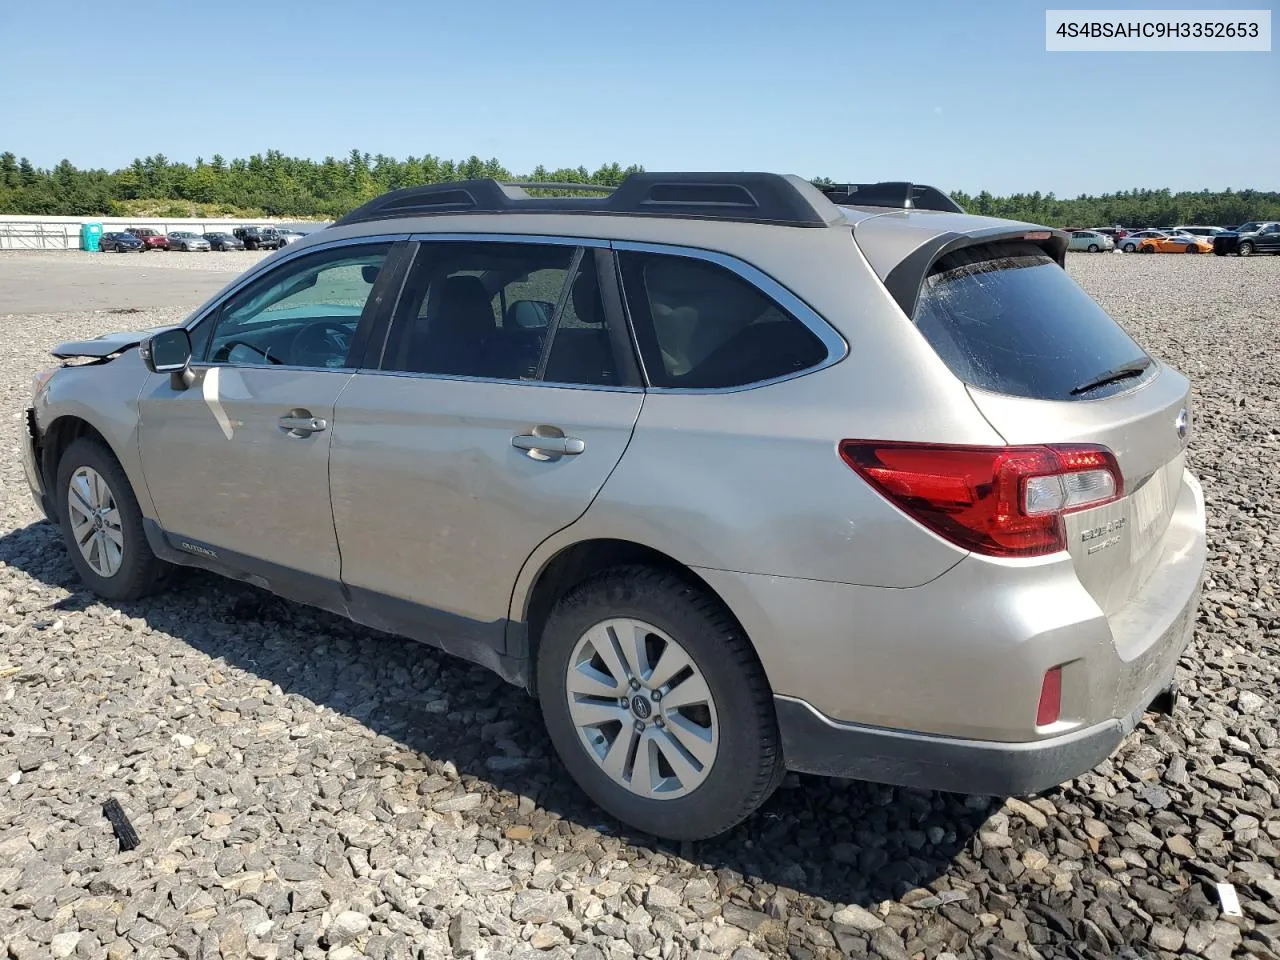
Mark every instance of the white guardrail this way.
pixel 19 232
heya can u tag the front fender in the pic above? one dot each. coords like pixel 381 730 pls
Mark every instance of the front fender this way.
pixel 105 396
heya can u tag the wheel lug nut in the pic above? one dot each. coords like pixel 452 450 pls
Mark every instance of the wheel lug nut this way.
pixel 656 695
pixel 639 726
pixel 635 684
pixel 658 722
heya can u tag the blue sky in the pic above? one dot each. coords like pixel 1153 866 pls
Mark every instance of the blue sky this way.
pixel 962 95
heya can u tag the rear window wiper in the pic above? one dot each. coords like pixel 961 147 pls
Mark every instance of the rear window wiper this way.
pixel 1134 368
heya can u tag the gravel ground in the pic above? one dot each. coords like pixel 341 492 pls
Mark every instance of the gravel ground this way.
pixel 305 787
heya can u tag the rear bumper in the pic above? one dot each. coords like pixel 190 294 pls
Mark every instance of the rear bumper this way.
pixel 819 745
pixel 937 686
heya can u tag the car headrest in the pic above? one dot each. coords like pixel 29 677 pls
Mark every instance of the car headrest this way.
pixel 586 295
pixel 465 305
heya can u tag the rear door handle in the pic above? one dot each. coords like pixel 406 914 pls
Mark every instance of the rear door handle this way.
pixel 544 448
pixel 302 426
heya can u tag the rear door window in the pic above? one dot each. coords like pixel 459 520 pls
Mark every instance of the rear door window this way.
pixel 1007 318
pixel 505 311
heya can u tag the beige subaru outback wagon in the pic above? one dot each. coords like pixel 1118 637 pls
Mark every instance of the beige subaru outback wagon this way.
pixel 734 474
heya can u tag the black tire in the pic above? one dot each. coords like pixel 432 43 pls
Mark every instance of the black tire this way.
pixel 141 572
pixel 1128 248
pixel 1149 248
pixel 1093 248
pixel 1192 248
pixel 749 764
pixel 1246 249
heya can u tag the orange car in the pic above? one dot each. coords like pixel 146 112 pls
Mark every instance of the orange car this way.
pixel 1180 243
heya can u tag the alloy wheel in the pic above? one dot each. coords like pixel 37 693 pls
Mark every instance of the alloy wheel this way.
pixel 95 522
pixel 642 709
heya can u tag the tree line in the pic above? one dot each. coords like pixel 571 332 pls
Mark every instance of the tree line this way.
pixel 274 185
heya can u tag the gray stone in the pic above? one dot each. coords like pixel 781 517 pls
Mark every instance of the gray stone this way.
pixel 346 928
pixel 538 906
pixel 1248 702
pixel 63 945
pixel 464 934
pixel 857 917
pixel 307 896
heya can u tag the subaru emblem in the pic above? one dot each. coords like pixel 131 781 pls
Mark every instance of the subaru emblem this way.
pixel 1180 424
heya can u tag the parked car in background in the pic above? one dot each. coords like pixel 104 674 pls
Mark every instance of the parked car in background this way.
pixel 289 236
pixel 120 243
pixel 1257 236
pixel 1091 241
pixel 223 241
pixel 259 238
pixel 968 559
pixel 1175 243
pixel 188 242
pixel 1130 243
pixel 1207 232
pixel 151 239
pixel 1115 233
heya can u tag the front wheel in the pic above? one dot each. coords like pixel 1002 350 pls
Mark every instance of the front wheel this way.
pixel 1093 248
pixel 1192 248
pixel 1246 249
pixel 102 524
pixel 1147 249
pixel 656 703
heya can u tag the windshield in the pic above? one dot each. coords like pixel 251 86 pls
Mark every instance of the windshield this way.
pixel 1007 318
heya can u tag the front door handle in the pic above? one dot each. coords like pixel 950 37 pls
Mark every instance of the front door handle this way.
pixel 302 424
pixel 550 446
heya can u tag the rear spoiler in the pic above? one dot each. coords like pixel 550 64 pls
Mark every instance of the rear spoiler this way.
pixel 905 281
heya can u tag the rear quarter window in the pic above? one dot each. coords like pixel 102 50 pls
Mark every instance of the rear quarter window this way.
pixel 701 326
pixel 1006 318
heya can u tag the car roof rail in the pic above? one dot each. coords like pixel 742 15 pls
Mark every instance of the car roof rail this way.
pixel 560 185
pixel 744 197
pixel 899 195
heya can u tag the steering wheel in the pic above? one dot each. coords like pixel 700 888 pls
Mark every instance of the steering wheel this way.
pixel 224 352
pixel 318 343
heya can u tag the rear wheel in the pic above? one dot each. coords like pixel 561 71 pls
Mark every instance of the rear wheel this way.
pixel 1192 248
pixel 657 705
pixel 1246 249
pixel 1093 248
pixel 1128 248
pixel 102 524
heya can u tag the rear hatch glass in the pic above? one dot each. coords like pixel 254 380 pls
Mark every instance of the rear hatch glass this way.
pixel 1007 318
pixel 1046 365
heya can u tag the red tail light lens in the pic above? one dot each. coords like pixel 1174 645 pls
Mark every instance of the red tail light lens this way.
pixel 1000 501
pixel 1049 709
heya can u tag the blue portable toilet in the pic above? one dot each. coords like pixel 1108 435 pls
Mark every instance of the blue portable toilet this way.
pixel 90 236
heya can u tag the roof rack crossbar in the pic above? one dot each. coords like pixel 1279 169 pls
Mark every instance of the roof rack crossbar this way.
pixel 745 197
pixel 898 195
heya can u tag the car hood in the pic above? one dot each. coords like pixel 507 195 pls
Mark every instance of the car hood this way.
pixel 107 345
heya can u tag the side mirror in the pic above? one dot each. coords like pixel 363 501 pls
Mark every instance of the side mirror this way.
pixel 169 351
pixel 369 272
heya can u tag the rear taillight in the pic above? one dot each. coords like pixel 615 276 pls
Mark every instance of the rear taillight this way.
pixel 1000 501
